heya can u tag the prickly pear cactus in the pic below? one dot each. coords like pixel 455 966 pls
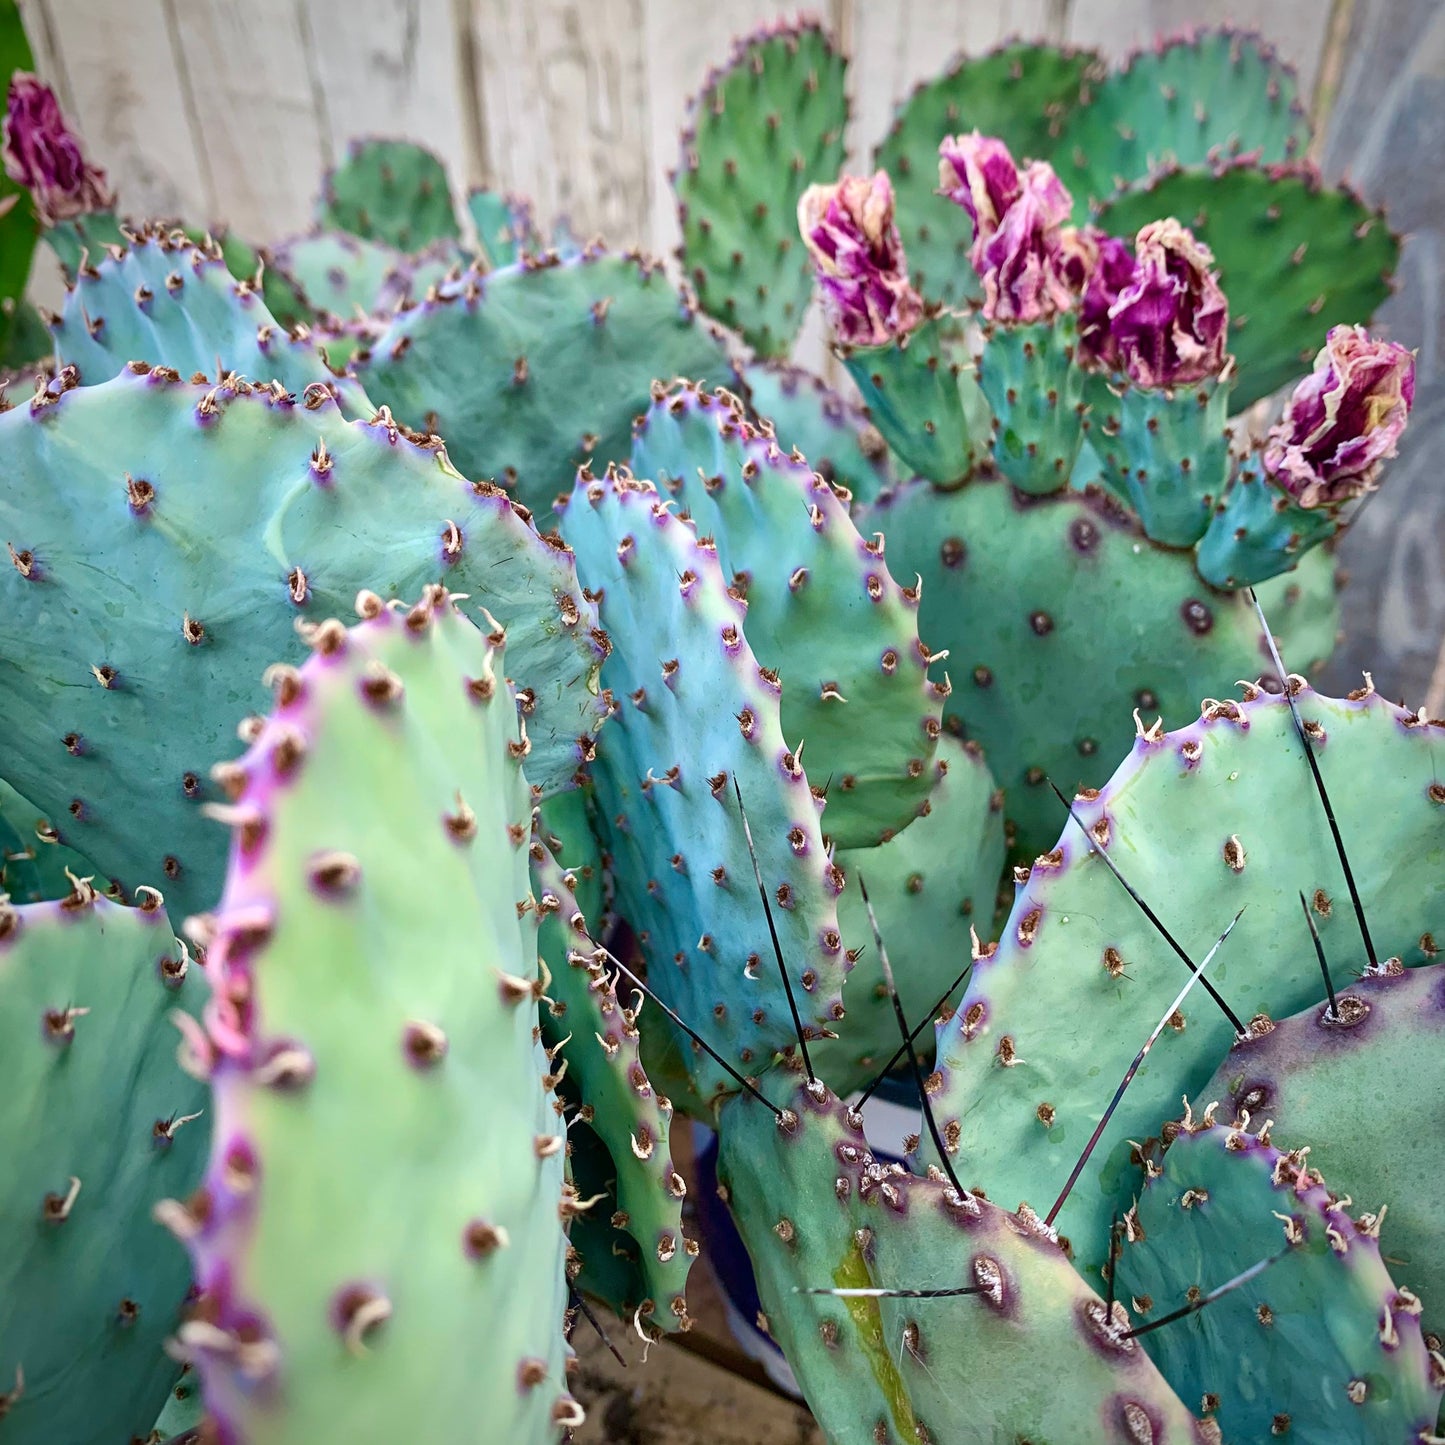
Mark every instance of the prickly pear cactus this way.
pixel 99 1123
pixel 694 716
pixel 1316 1076
pixel 561 355
pixel 1323 1346
pixel 226 514
pixel 823 612
pixel 391 191
pixel 35 866
pixel 342 274
pixel 1216 817
pixel 763 128
pixel 1024 593
pixel 388 1162
pixel 818 1212
pixel 505 226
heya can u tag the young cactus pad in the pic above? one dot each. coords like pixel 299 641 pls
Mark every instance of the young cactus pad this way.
pixel 391 191
pixel 694 717
pixel 561 355
pixel 98 1123
pixel 823 612
pixel 387 1170
pixel 1321 1347
pixel 763 129
pixel 1029 1352
pixel 1202 822
pixel 195 525
pixel 1317 1076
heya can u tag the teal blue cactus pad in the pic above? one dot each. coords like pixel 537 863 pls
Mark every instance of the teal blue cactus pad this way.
pixel 695 713
pixel 1362 1088
pixel 388 1163
pixel 1204 821
pixel 505 226
pixel 1030 1353
pixel 561 355
pixel 343 274
pixel 1322 1347
pixel 98 1124
pixel 763 129
pixel 34 864
pixel 391 191
pixel 166 537
pixel 824 613
pixel 1295 257
pixel 1060 618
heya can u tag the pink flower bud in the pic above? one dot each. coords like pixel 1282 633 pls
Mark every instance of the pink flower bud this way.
pixel 1343 419
pixel 862 272
pixel 1169 325
pixel 43 156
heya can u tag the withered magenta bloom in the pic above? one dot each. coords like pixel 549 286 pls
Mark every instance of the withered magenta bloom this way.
pixel 1343 420
pixel 1170 324
pixel 1110 270
pixel 978 173
pixel 862 272
pixel 43 156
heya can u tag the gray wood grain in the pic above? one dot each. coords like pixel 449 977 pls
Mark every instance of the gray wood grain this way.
pixel 1386 134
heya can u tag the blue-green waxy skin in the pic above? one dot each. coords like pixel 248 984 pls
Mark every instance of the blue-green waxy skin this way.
pixel 1259 530
pixel 1217 817
pixel 1030 1355
pixel 98 1124
pixel 167 538
pixel 391 191
pixel 764 127
pixel 561 356
pixel 343 274
pixel 504 224
pixel 1323 1347
pixel 34 865
pixel 1361 1087
pixel 1060 619
pixel 824 612
pixel 694 712
pixel 387 1174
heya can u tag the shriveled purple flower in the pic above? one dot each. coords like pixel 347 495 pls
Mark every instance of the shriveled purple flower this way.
pixel 43 156
pixel 1111 269
pixel 1170 323
pixel 1024 264
pixel 862 272
pixel 1343 420
pixel 978 173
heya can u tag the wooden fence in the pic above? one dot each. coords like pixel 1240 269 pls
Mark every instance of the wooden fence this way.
pixel 231 110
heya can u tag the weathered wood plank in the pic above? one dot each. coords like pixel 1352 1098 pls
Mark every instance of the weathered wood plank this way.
pixel 261 135
pixel 1388 124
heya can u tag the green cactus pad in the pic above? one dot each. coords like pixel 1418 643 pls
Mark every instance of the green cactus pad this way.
pixel 98 1122
pixel 1321 1348
pixel 693 712
pixel 505 226
pixel 1294 257
pixel 169 302
pixel 184 1411
pixel 836 437
pixel 387 1171
pixel 1192 100
pixel 166 539
pixel 763 129
pixel 1060 618
pixel 90 234
pixel 245 262
pixel 561 355
pixel 597 1037
pixel 391 191
pixel 1033 1356
pixel 342 274
pixel 1020 93
pixel 1205 821
pixel 1319 1079
pixel 1259 530
pixel 823 612
pixel 928 886
pixel 34 865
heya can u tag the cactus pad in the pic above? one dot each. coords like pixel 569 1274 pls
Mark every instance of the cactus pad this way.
pixel 1294 257
pixel 764 127
pixel 823 612
pixel 195 526
pixel 98 1122
pixel 1203 821
pixel 1321 1348
pixel 342 274
pixel 561 355
pixel 1060 618
pixel 34 864
pixel 387 1168
pixel 505 226
pixel 391 191
pixel 693 712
